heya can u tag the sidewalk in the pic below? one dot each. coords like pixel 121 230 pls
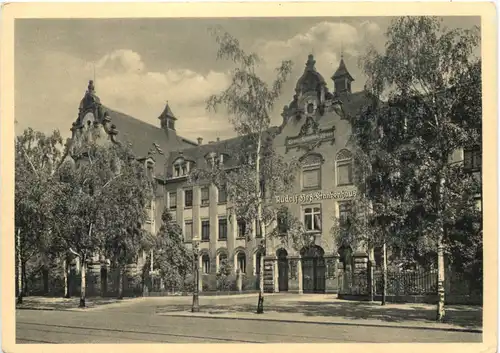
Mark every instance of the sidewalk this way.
pixel 71 304
pixel 328 311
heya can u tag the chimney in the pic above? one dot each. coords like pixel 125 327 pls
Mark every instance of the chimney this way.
pixel 218 139
pixel 200 140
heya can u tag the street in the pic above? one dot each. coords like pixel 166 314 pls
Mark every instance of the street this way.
pixel 141 322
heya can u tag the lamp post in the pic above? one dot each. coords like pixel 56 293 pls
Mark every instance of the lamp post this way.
pixel 196 305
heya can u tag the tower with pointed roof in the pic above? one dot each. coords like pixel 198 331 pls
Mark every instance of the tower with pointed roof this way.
pixel 167 118
pixel 342 78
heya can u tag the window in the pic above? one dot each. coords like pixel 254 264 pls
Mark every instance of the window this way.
pixel 205 196
pixel 222 260
pixel 188 231
pixel 344 213
pixel 149 212
pixel 205 230
pixel 188 198
pixel 312 219
pixel 222 194
pixel 311 178
pixel 172 200
pixel 181 167
pixel 222 228
pixel 149 168
pixel 344 168
pixel 282 224
pixel 258 232
pixel 205 263
pixel 311 171
pixel 472 159
pixel 242 228
pixel 241 261
pixel 214 160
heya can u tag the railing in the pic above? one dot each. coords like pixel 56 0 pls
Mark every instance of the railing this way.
pixel 408 283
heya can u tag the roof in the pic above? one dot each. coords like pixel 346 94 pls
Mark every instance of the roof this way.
pixel 353 103
pixel 167 112
pixel 145 138
pixel 310 79
pixel 227 147
pixel 342 71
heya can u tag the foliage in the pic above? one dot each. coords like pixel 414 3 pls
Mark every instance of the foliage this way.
pixel 224 276
pixel 128 199
pixel 289 230
pixel 258 172
pixel 37 159
pixel 171 257
pixel 433 83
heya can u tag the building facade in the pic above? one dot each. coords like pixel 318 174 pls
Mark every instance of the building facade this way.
pixel 315 130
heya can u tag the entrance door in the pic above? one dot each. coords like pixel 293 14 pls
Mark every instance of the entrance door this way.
pixel 282 270
pixel 313 270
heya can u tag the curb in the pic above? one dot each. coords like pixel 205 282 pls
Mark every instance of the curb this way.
pixel 206 316
pixel 76 308
pixel 54 309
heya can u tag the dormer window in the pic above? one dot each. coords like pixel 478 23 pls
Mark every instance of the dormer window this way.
pixel 181 167
pixel 214 159
pixel 150 168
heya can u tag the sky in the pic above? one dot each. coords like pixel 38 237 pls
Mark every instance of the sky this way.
pixel 140 64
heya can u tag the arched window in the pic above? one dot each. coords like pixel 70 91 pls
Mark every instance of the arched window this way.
pixel 344 167
pixel 222 260
pixel 311 171
pixel 205 263
pixel 241 262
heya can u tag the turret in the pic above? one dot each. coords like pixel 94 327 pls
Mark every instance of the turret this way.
pixel 342 78
pixel 167 118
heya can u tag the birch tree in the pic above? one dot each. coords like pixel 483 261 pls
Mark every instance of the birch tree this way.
pixel 105 195
pixel 37 160
pixel 249 101
pixel 432 79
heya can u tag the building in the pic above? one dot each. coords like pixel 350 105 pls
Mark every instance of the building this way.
pixel 150 144
pixel 315 129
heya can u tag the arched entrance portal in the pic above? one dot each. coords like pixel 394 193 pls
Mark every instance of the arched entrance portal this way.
pixel 282 270
pixel 313 269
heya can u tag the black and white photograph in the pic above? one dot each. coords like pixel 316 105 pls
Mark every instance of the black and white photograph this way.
pixel 255 179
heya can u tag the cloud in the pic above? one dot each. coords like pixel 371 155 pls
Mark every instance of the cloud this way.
pixel 325 40
pixel 123 82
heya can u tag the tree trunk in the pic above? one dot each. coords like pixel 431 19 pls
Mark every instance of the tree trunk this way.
pixel 440 280
pixel 260 303
pixel 25 281
pixel 19 269
pixel 440 253
pixel 120 282
pixel 66 277
pixel 82 281
pixel 371 281
pixel 384 274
